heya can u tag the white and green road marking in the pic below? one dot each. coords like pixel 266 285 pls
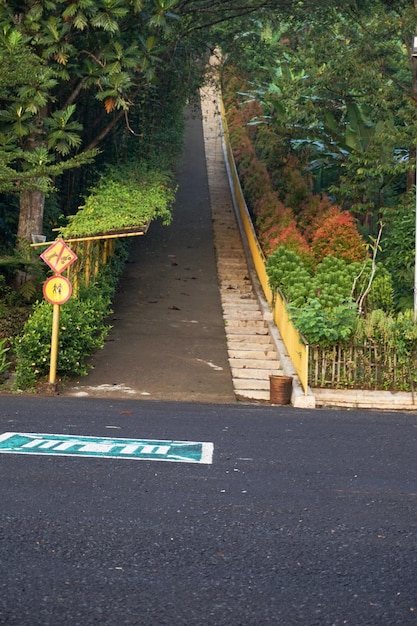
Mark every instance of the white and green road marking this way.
pixel 105 447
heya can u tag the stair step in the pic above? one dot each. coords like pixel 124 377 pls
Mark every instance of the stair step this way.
pixel 230 296
pixel 234 299
pixel 242 353
pixel 246 330
pixel 242 384
pixel 242 287
pixel 254 325
pixel 254 394
pixel 254 374
pixel 239 304
pixel 249 341
pixel 262 364
pixel 242 315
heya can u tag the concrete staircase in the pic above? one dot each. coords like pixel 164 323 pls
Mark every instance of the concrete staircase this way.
pixel 251 349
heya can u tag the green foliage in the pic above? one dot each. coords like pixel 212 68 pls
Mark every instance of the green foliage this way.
pixel 381 295
pixel 4 363
pixel 31 271
pixel 398 248
pixel 81 332
pixel 82 328
pixel 376 327
pixel 338 95
pixel 320 302
pixel 323 300
pixel 398 331
pixel 405 330
pixel 332 282
pixel 287 273
pixel 131 196
pixel 343 102
pixel 322 325
pixel 76 75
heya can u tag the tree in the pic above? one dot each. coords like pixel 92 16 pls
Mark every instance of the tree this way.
pixel 337 87
pixel 70 56
pixel 94 60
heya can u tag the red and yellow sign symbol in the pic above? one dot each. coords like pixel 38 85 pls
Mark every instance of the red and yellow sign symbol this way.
pixel 57 289
pixel 59 256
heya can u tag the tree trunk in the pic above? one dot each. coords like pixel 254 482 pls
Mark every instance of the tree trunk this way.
pixel 32 204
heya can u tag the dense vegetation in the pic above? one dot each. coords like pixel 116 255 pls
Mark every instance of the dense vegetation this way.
pixel 92 94
pixel 321 108
pixel 321 113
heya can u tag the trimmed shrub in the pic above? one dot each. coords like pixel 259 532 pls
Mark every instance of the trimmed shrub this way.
pixel 324 326
pixel 339 237
pixel 288 235
pixel 81 332
pixel 287 273
pixel 82 329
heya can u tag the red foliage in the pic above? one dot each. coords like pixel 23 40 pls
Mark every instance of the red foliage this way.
pixel 330 230
pixel 314 210
pixel 296 181
pixel 270 207
pixel 251 110
pixel 234 119
pixel 256 181
pixel 288 236
pixel 338 237
pixel 243 150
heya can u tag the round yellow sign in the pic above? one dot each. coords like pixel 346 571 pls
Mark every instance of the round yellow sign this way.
pixel 57 289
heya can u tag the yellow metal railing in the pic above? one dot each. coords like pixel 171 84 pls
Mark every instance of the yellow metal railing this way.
pixel 257 254
pixel 297 349
pixel 92 253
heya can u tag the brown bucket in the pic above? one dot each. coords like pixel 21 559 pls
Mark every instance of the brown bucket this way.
pixel 280 389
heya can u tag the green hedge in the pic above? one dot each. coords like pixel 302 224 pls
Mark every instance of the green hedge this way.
pixel 126 197
pixel 82 329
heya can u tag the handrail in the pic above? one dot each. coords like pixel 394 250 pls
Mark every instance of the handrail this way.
pixel 296 347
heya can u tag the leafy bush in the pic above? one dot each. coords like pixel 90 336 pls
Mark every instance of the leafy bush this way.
pixel 399 332
pixel 398 249
pixel 82 328
pixel 339 237
pixel 24 268
pixel 322 300
pixel 381 295
pixel 4 363
pixel 81 331
pixel 324 326
pixel 405 330
pixel 287 273
pixel 331 282
pixel 129 197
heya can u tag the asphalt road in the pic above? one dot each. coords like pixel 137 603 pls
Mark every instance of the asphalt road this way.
pixel 303 518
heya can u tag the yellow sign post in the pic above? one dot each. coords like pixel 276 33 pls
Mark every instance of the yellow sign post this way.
pixel 57 290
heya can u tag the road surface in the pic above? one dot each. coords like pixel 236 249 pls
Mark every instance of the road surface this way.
pixel 303 518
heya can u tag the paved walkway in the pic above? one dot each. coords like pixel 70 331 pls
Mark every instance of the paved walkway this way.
pixel 168 339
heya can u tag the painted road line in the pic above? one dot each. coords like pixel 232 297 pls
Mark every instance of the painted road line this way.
pixel 105 447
